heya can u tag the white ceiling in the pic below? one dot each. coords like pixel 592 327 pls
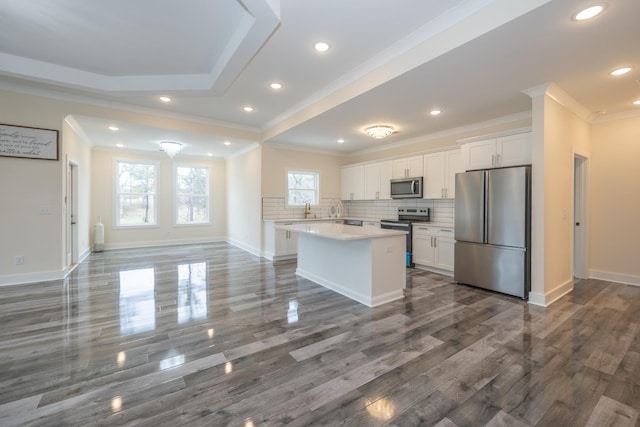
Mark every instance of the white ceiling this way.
pixel 390 62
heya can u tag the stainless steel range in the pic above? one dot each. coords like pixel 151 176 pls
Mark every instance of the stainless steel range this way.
pixel 406 217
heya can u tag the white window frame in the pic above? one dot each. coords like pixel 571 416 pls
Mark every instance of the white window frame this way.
pixel 175 194
pixel 301 171
pixel 116 194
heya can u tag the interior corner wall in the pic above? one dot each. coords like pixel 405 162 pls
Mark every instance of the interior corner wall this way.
pixel 29 184
pixel 564 133
pixel 78 151
pixel 244 201
pixel 615 200
pixel 276 161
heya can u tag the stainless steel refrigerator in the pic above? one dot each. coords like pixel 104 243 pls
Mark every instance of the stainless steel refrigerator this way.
pixel 493 230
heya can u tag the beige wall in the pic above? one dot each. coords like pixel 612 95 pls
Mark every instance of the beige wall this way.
pixel 102 190
pixel 615 200
pixel 564 134
pixel 276 161
pixel 244 204
pixel 26 185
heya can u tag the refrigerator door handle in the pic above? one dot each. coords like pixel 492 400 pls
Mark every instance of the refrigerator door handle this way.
pixel 485 231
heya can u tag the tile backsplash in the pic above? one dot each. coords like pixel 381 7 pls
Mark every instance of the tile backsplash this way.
pixel 441 209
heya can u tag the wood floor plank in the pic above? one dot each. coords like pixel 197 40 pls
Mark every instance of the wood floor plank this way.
pixel 254 343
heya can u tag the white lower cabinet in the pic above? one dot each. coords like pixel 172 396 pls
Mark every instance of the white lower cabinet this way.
pixel 283 244
pixel 433 247
pixel 279 244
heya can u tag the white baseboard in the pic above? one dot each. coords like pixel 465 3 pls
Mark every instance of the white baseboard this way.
pixel 21 279
pixel 626 279
pixel 238 244
pixel 434 270
pixel 154 243
pixel 350 293
pixel 547 299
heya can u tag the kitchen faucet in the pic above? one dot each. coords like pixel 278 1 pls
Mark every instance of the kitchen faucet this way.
pixel 307 210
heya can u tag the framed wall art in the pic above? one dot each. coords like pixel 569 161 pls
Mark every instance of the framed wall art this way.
pixel 28 142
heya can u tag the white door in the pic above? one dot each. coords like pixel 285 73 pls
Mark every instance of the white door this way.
pixel 580 240
pixel 72 213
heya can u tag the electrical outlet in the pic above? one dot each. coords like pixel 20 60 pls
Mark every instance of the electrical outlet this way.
pixel 18 260
pixel 44 210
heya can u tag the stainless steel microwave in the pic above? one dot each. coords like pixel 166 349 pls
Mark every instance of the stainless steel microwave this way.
pixel 406 188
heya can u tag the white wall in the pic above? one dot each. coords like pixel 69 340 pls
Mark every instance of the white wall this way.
pixel 244 203
pixel 615 200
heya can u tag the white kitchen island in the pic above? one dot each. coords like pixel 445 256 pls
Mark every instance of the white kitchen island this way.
pixel 366 264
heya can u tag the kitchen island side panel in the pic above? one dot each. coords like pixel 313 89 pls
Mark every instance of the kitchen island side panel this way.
pixel 370 271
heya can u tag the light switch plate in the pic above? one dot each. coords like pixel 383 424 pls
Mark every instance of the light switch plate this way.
pixel 44 210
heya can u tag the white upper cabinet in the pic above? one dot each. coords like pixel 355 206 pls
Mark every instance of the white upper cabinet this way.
pixel 408 167
pixel 512 150
pixel 376 181
pixel 352 183
pixel 440 174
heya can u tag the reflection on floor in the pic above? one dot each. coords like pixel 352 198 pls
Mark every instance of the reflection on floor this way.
pixel 210 335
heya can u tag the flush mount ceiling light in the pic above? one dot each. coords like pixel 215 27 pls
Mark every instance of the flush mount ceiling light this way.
pixel 165 99
pixel 341 141
pixel 227 143
pixel 171 148
pixel 435 112
pixel 321 46
pixel 620 71
pixel 275 86
pixel 379 131
pixel 114 128
pixel 589 12
pixel 636 102
pixel 248 108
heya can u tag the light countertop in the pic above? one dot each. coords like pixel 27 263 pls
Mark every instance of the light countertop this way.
pixel 341 231
pixel 304 220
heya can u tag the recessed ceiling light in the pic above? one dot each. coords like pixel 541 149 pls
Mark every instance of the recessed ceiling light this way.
pixel 165 99
pixel 210 154
pixel 276 86
pixel 114 128
pixel 248 108
pixel 620 71
pixel 589 12
pixel 227 143
pixel 435 112
pixel 637 102
pixel 341 141
pixel 120 145
pixel 321 46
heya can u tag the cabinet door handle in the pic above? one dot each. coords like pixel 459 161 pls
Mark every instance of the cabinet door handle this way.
pixel 446 193
pixel 493 160
pixel 498 160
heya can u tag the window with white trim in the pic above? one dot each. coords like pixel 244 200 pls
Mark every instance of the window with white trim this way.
pixel 136 194
pixel 303 187
pixel 192 195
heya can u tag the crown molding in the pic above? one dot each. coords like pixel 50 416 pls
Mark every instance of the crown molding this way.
pixel 62 96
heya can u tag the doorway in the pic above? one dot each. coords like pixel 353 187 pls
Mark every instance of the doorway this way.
pixel 580 217
pixel 72 214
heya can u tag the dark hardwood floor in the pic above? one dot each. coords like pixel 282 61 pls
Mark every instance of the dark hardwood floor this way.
pixel 210 335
